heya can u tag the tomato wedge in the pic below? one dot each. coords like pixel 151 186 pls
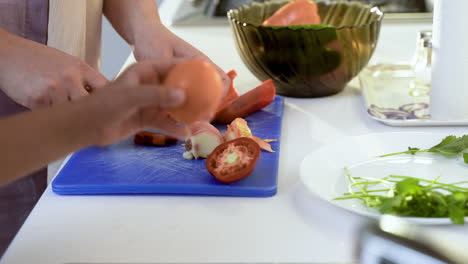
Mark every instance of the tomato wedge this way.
pixel 233 160
pixel 248 103
pixel 298 12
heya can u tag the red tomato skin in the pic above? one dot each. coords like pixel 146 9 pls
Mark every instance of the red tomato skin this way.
pixel 298 12
pixel 203 90
pixel 254 151
pixel 231 95
pixel 248 103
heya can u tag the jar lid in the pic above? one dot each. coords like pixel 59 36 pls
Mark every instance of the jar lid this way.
pixel 425 38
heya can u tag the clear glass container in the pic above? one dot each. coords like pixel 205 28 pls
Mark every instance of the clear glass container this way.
pixel 400 91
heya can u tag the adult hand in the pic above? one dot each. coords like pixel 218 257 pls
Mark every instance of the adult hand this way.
pixel 137 100
pixel 35 75
pixel 134 101
pixel 160 43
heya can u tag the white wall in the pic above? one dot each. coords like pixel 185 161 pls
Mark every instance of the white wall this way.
pixel 114 50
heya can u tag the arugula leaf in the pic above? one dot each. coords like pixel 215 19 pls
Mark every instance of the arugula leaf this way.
pixel 457 215
pixel 408 186
pixel 407 197
pixel 449 146
pixel 456 207
pixel 465 157
pixel 389 204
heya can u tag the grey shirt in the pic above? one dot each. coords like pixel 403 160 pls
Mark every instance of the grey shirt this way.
pixel 27 19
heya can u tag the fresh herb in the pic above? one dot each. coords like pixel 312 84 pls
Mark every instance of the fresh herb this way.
pixel 465 157
pixel 449 146
pixel 406 196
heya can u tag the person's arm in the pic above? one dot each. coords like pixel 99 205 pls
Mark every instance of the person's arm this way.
pixel 139 24
pixel 135 101
pixel 35 75
pixel 133 20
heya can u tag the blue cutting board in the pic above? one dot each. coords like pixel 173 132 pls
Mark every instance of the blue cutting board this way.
pixel 126 168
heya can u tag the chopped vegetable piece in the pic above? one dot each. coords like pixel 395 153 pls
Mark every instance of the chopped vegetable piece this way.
pixel 187 155
pixel 154 139
pixel 239 128
pixel 205 138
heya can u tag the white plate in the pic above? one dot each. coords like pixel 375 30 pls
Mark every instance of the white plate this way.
pixel 322 170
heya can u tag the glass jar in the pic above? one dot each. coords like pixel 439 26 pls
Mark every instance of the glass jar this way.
pixel 400 91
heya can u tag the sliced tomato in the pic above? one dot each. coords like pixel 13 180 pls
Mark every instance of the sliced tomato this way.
pixel 248 103
pixel 231 95
pixel 233 160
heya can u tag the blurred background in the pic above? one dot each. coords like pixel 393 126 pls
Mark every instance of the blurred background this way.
pixel 115 51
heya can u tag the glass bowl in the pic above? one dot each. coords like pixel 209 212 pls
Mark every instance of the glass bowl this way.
pixel 308 60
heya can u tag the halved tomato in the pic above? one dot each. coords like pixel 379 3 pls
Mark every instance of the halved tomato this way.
pixel 233 160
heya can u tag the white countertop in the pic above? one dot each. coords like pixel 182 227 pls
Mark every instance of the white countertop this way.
pixel 292 226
